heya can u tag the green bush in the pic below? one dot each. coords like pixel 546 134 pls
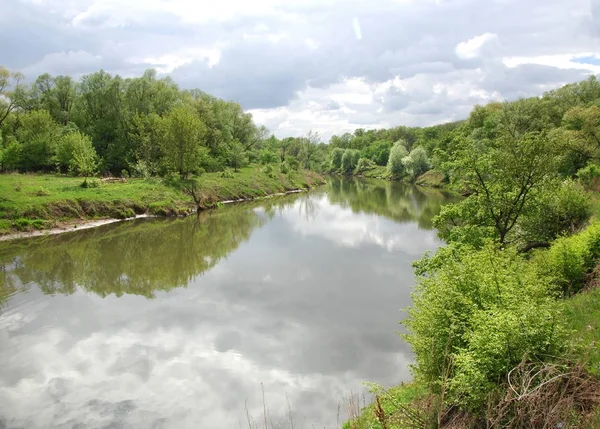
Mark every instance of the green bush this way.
pixel 227 174
pixel 363 165
pixel 589 176
pixel 570 259
pixel 557 211
pixel 91 183
pixel 474 316
pixel 269 170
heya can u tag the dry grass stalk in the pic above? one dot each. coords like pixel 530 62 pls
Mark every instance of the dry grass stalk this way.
pixel 545 396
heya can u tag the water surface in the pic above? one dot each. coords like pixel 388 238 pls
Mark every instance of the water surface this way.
pixel 182 323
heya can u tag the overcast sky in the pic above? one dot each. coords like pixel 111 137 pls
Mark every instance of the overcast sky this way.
pixel 327 65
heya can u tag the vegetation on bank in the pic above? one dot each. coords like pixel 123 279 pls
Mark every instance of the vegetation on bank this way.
pixel 40 201
pixel 504 321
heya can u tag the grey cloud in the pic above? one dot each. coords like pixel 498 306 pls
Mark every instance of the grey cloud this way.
pixel 320 48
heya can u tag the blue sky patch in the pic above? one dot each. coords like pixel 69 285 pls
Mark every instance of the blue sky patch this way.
pixel 587 60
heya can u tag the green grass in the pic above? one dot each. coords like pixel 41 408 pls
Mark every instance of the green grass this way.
pixel 32 201
pixel 433 179
pixel 583 315
pixel 393 402
pixel 377 172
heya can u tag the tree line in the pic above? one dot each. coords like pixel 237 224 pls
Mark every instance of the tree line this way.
pixel 136 126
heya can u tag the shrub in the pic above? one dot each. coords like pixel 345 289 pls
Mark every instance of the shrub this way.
pixel 475 316
pixel 124 174
pixel 558 210
pixel 227 174
pixel 570 259
pixel 363 165
pixel 267 157
pixel 589 176
pixel 92 183
pixel 284 168
pixel 269 170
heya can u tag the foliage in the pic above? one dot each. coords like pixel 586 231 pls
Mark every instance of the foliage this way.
pixel 560 209
pixel 336 158
pixel 571 259
pixel 363 165
pixel 475 316
pixel 237 156
pixel 395 164
pixel 416 163
pixel 349 160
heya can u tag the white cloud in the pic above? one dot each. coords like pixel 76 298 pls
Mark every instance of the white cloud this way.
pixel 560 61
pixel 472 47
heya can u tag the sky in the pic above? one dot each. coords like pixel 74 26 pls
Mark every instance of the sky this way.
pixel 330 66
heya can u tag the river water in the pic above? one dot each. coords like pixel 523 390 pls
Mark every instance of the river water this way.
pixel 288 305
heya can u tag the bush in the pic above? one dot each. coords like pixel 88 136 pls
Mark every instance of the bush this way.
pixel 269 170
pixel 91 183
pixel 284 168
pixel 475 315
pixel 570 259
pixel 589 176
pixel 124 174
pixel 363 165
pixel 292 163
pixel 557 211
pixel 141 170
pixel 267 157
pixel 227 174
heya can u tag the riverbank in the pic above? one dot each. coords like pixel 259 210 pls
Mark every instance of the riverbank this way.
pixel 34 203
pixel 573 261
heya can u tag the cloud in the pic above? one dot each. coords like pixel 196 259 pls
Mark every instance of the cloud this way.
pixel 273 55
pixel 472 48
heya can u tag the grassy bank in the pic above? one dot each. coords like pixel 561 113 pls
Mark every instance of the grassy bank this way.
pixel 29 202
pixel 562 388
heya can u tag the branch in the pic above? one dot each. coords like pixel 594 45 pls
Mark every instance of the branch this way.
pixel 534 245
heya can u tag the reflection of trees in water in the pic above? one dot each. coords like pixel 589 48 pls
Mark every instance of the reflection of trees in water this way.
pixel 395 200
pixel 127 258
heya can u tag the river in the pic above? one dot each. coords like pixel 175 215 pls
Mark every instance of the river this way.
pixel 190 323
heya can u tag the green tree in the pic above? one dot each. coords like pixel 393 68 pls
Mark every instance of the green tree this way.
pixel 9 89
pixel 183 150
pixel 38 134
pixel 349 160
pixel 502 175
pixel 237 155
pixel 336 158
pixel 83 160
pixel 416 163
pixel 395 165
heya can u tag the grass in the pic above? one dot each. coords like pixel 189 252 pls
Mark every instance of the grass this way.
pixel 392 408
pixel 583 315
pixel 433 179
pixel 35 201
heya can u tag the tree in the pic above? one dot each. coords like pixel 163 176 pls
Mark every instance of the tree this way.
pixel 336 158
pixel 416 163
pixel 237 155
pixel 349 160
pixel 38 134
pixel 9 91
pixel 395 166
pixel 502 176
pixel 182 148
pixel 83 160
